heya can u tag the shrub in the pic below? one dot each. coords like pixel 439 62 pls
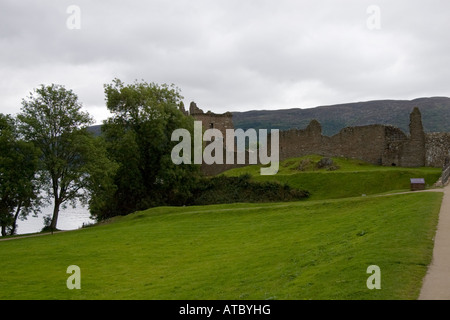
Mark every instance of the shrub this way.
pixel 223 189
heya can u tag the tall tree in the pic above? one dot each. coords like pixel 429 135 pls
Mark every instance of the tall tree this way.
pixel 19 192
pixel 52 118
pixel 138 136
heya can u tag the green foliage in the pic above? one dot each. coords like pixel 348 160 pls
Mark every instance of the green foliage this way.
pixel 223 189
pixel 47 223
pixel 138 138
pixel 19 192
pixel 52 119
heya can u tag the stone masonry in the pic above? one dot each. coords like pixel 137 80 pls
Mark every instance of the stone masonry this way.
pixel 212 120
pixel 378 144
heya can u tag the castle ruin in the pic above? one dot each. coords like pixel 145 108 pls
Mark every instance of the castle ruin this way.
pixel 209 119
pixel 377 144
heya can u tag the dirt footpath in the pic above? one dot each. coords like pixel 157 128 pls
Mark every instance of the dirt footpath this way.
pixel 436 285
pixel 33 235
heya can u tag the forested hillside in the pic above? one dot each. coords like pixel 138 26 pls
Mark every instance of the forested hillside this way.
pixel 435 115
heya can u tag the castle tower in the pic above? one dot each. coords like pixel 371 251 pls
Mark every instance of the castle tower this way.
pixel 413 154
pixel 212 120
pixel 416 127
pixel 193 109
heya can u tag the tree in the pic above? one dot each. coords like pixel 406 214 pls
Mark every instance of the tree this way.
pixel 138 138
pixel 51 117
pixel 19 192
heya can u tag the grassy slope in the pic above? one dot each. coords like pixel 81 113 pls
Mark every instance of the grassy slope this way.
pixel 297 250
pixel 353 178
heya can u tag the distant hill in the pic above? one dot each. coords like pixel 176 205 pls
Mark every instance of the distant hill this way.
pixel 96 130
pixel 435 115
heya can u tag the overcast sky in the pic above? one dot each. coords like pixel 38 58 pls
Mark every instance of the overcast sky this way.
pixel 228 55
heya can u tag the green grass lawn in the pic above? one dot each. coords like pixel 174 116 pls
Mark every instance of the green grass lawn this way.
pixel 353 178
pixel 296 250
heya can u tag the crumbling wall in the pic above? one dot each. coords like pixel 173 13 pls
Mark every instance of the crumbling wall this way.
pixel 300 142
pixel 364 142
pixel 437 148
pixel 212 120
pixel 395 140
pixel 377 144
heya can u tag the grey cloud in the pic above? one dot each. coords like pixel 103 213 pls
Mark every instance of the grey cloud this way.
pixel 228 55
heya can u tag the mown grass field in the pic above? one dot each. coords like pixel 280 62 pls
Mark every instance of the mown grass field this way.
pixel 352 178
pixel 297 250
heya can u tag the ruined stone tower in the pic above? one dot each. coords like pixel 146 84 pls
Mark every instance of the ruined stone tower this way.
pixel 413 153
pixel 212 120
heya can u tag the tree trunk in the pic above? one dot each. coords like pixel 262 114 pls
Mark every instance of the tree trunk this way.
pixel 55 215
pixel 3 230
pixel 14 225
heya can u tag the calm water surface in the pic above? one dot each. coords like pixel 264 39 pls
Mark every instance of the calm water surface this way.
pixel 69 219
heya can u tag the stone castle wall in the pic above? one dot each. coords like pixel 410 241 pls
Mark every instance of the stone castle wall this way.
pixel 437 148
pixel 212 120
pixel 376 144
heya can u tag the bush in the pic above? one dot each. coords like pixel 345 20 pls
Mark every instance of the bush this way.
pixel 223 189
pixel 47 224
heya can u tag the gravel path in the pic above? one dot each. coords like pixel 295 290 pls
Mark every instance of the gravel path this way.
pixel 33 235
pixel 436 285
